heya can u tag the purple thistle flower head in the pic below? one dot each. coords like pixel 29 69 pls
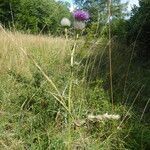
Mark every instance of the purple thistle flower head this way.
pixel 81 15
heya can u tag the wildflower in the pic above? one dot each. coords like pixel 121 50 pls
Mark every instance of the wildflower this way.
pixel 103 117
pixel 79 25
pixel 113 117
pixel 65 22
pixel 81 15
pixel 91 118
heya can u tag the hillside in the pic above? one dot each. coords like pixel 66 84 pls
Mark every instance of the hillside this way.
pixel 46 103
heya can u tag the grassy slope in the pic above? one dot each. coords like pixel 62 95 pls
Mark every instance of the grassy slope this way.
pixel 31 118
pixel 21 82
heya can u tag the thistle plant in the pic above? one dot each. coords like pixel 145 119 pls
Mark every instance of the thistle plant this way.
pixel 80 18
pixel 65 22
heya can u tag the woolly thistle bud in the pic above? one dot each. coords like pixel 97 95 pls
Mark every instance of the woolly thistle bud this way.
pixel 65 22
pixel 80 25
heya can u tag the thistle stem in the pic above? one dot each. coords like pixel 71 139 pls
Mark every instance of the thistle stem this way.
pixel 66 33
pixel 70 102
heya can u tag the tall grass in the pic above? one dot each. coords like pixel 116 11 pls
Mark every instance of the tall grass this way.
pixel 46 97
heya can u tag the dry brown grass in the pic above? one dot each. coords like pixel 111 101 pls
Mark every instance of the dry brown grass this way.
pixel 48 52
pixel 44 49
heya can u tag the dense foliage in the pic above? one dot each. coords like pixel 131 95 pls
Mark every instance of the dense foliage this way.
pixel 139 30
pixel 33 16
pixel 99 9
pixel 133 30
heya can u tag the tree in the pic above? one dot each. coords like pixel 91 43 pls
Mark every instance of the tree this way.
pixel 99 9
pixel 34 16
pixel 8 11
pixel 139 30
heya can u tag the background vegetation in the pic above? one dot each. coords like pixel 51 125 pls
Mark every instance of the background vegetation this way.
pixel 44 99
pixel 36 16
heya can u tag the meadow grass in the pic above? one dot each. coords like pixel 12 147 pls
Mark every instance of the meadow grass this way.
pixel 45 101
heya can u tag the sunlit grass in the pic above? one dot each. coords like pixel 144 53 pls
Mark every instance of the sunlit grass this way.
pixel 33 117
